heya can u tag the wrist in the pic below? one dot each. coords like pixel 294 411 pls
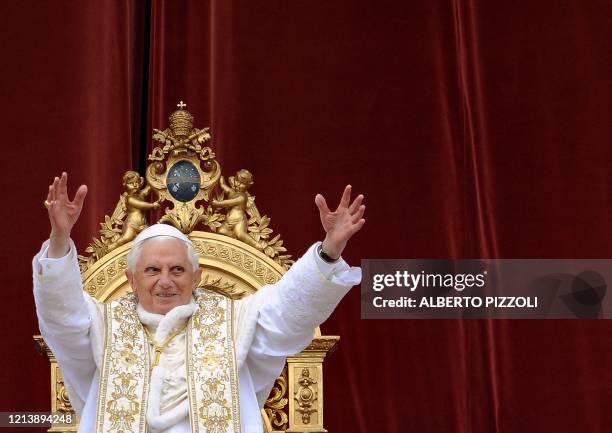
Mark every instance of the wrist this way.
pixel 326 258
pixel 59 245
pixel 327 252
pixel 59 235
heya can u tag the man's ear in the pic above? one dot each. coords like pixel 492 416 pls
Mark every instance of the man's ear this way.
pixel 198 278
pixel 130 278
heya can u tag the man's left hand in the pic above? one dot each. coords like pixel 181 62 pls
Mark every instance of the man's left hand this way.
pixel 342 223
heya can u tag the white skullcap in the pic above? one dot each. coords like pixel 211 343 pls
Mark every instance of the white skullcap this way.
pixel 161 230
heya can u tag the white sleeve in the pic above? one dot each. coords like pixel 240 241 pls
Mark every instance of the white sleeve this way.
pixel 64 319
pixel 287 313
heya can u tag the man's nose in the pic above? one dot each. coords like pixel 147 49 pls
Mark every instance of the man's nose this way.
pixel 164 279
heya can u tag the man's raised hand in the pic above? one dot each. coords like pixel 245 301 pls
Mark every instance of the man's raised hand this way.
pixel 63 214
pixel 342 223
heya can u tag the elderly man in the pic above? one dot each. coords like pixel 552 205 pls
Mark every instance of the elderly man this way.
pixel 171 358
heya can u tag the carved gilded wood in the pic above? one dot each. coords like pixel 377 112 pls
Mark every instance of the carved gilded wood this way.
pixel 237 249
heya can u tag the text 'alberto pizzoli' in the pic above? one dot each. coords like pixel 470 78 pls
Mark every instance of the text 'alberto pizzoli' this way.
pixel 458 282
pixel 458 302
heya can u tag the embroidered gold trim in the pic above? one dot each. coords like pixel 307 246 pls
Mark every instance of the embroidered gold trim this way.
pixel 124 383
pixel 211 368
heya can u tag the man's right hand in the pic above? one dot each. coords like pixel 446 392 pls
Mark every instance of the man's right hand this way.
pixel 63 214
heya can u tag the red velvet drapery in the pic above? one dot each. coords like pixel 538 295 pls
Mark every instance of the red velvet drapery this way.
pixel 475 129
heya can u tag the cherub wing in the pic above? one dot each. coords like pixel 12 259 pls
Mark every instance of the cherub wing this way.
pixel 120 210
pixel 251 208
pixel 110 228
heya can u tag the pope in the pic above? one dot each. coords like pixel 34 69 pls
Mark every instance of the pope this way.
pixel 170 357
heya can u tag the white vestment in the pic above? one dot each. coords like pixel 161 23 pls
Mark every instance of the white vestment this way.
pixel 275 322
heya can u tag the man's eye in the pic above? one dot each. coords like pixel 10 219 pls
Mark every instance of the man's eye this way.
pixel 151 270
pixel 178 269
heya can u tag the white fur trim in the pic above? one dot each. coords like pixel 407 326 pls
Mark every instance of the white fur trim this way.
pixel 158 421
pixel 164 325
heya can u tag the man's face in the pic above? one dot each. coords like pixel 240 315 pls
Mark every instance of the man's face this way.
pixel 164 277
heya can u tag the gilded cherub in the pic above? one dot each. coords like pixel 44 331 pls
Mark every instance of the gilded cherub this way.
pixel 236 221
pixel 133 201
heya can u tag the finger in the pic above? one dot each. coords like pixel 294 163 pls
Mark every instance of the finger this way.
pixel 50 194
pixel 346 197
pixel 321 204
pixel 54 188
pixel 355 205
pixel 358 214
pixel 64 182
pixel 63 185
pixel 79 197
pixel 356 227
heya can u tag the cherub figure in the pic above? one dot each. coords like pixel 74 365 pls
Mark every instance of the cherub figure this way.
pixel 236 221
pixel 134 202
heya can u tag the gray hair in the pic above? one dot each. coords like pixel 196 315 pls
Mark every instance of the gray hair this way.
pixel 134 253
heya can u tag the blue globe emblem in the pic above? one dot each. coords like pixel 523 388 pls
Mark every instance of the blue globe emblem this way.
pixel 183 181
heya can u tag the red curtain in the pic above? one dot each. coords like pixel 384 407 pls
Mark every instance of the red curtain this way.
pixel 474 129
pixel 70 92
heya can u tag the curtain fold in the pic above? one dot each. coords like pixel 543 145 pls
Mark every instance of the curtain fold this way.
pixel 71 94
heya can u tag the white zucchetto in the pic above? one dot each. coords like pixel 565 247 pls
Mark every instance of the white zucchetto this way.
pixel 161 230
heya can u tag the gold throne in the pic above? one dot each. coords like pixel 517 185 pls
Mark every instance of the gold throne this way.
pixel 237 250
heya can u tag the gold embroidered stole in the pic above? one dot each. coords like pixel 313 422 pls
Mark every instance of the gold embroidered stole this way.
pixel 212 378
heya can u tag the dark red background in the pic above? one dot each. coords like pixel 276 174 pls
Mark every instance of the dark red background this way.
pixel 474 129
